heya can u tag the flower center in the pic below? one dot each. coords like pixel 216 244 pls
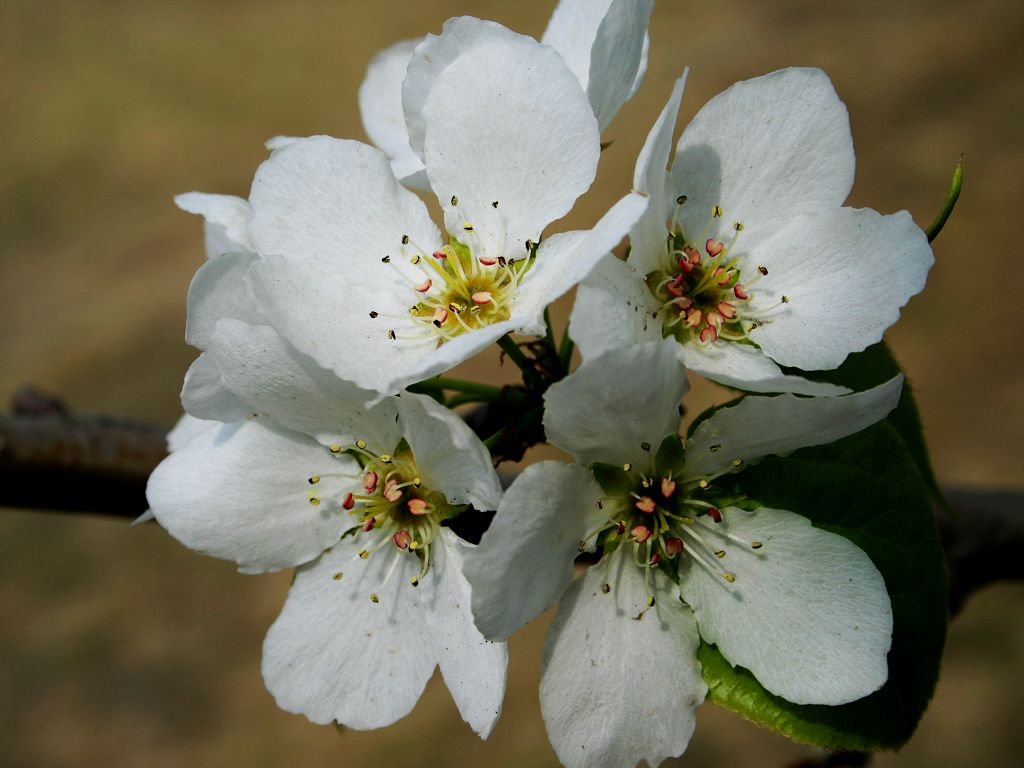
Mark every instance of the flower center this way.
pixel 459 288
pixel 663 518
pixel 701 288
pixel 390 498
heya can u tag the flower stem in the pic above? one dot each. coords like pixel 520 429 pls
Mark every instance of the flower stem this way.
pixel 531 375
pixel 484 393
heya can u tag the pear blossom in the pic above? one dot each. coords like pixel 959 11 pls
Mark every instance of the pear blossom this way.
pixel 685 557
pixel 357 501
pixel 745 255
pixel 346 264
pixel 603 42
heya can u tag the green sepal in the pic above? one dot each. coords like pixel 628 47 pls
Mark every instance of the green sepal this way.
pixel 613 479
pixel 868 489
pixel 874 366
pixel 671 456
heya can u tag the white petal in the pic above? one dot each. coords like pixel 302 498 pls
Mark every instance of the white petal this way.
pixel 565 259
pixel 431 362
pixel 620 681
pixel 612 404
pixel 603 44
pixel 647 237
pixel 334 654
pixel 187 428
pixel 746 367
pixel 205 395
pixel 641 69
pixel 616 57
pixel 227 221
pixel 846 273
pixel 474 669
pixel 432 57
pixel 279 142
pixel 450 458
pixel 275 379
pixel 572 31
pixel 613 308
pixel 765 149
pixel 507 123
pixel 219 290
pixel 337 203
pixel 242 492
pixel 326 315
pixel 525 559
pixel 763 426
pixel 808 613
pixel 380 99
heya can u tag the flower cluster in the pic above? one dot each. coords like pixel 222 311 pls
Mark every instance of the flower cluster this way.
pixel 318 437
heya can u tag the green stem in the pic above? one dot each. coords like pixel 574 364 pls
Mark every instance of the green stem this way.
pixel 482 392
pixel 950 204
pixel 516 355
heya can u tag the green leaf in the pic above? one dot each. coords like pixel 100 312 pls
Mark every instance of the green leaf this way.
pixel 671 457
pixel 866 488
pixel 873 366
pixel 614 480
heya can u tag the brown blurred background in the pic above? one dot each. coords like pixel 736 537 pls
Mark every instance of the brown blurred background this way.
pixel 119 647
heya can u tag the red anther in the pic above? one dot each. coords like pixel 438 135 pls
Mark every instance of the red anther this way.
pixel 726 310
pixel 727 276
pixel 440 317
pixel 402 539
pixel 693 317
pixel 683 304
pixel 368 525
pixel 646 504
pixel 655 558
pixel 714 319
pixel 482 297
pixel 370 482
pixel 685 266
pixel 488 261
pixel 620 528
pixel 440 255
pixel 640 533
pixel 692 254
pixel 713 247
pixel 676 286
pixel 417 506
pixel 740 293
pixel 709 334
pixel 425 285
pixel 392 492
pixel 715 515
pixel 668 487
pixel 349 501
pixel 674 547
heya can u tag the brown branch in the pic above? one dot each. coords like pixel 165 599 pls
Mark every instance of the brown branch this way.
pixel 53 460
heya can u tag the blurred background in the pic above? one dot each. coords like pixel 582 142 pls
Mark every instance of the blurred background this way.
pixel 120 647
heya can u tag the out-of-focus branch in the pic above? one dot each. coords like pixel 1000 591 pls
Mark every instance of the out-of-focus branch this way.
pixel 51 459
pixel 982 540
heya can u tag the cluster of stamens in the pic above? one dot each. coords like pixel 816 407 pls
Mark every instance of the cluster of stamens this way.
pixel 699 285
pixel 460 287
pixel 390 498
pixel 663 518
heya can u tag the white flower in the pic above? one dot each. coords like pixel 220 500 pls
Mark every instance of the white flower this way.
pixel 352 271
pixel 356 501
pixel 803 609
pixel 603 42
pixel 758 265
